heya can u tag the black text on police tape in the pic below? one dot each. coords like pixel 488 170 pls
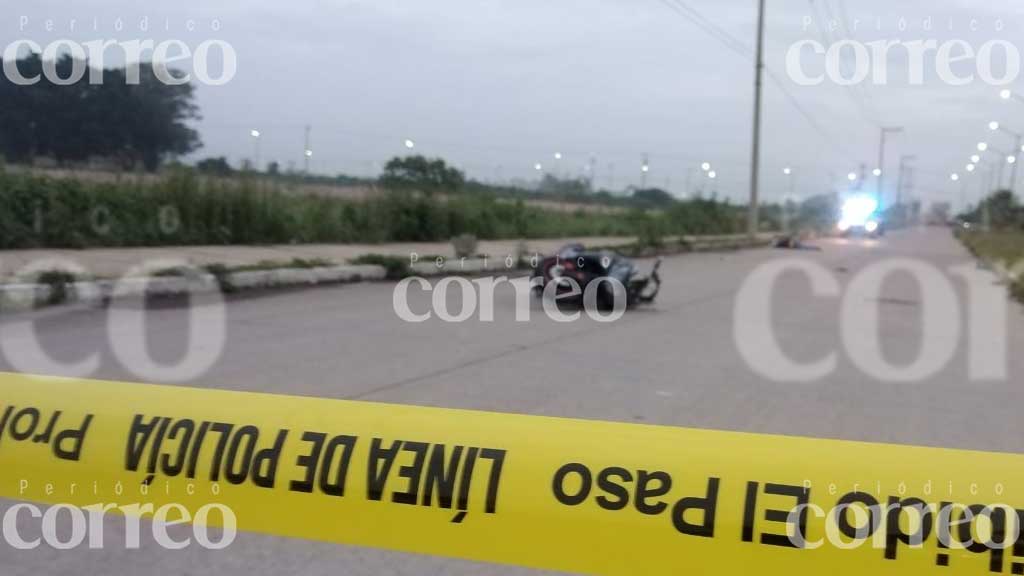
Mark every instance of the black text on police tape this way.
pixel 30 424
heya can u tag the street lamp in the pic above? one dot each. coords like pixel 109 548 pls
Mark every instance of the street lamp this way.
pixel 1001 164
pixel 970 167
pixel 309 153
pixel 954 177
pixel 409 144
pixel 705 166
pixel 538 167
pixel 255 148
pixel 852 176
pixel 1011 159
pixel 786 201
pixel 975 159
pixel 1007 94
pixel 712 174
pixel 877 171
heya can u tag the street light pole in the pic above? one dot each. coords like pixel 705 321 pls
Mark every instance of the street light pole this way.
pixel 787 199
pixel 899 179
pixel 256 149
pixel 755 160
pixel 307 152
pixel 1016 155
pixel 1017 137
pixel 881 158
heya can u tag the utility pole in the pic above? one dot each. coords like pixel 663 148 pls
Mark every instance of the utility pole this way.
pixel 755 154
pixel 881 159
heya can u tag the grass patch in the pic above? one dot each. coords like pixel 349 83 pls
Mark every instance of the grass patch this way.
pixel 302 263
pixel 1005 247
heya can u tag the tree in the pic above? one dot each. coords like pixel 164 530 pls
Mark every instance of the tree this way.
pixel 421 174
pixel 653 197
pixel 1002 208
pixel 214 166
pixel 143 123
pixel 567 187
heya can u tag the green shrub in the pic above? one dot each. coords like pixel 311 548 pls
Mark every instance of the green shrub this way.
pixel 58 281
pixel 396 267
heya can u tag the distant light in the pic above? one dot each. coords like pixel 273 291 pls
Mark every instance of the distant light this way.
pixel 877 171
pixel 993 125
pixel 1005 94
pixel 982 146
pixel 975 158
pixel 857 210
pixel 558 155
pixel 254 133
pixel 645 168
pixel 1011 159
pixel 409 144
pixel 309 153
pixel 954 176
pixel 705 166
pixel 787 171
pixel 712 174
pixel 851 176
pixel 538 167
pixel 970 167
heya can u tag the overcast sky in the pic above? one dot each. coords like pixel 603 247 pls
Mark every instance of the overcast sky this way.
pixel 495 86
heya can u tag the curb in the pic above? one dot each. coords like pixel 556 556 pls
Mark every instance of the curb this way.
pixel 18 297
pixel 23 296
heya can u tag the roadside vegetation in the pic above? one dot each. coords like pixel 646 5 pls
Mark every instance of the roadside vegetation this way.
pixel 1003 243
pixel 183 208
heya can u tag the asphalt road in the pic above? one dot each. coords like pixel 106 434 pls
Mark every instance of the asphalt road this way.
pixel 674 363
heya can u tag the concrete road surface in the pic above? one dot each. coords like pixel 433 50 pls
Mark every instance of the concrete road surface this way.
pixel 674 363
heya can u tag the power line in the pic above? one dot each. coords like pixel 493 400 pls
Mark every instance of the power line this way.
pixel 734 44
pixel 856 93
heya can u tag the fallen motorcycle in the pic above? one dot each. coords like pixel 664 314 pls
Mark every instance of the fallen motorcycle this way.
pixel 584 267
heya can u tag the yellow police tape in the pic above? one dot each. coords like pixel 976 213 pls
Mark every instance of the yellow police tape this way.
pixel 574 495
